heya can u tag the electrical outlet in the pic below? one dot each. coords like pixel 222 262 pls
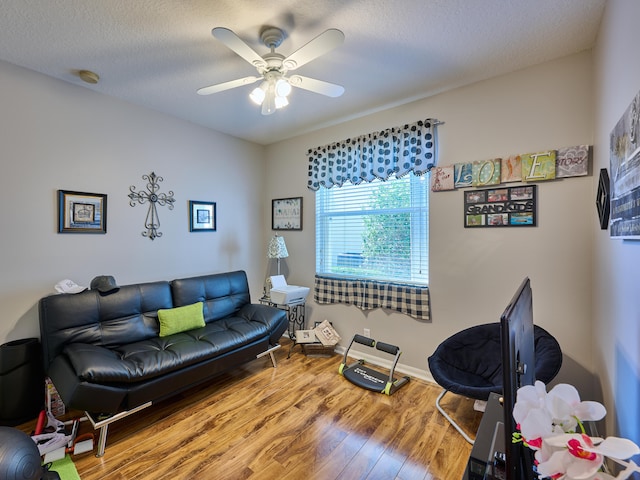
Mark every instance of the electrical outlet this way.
pixel 367 332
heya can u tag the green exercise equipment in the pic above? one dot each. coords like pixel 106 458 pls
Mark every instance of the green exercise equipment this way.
pixel 366 377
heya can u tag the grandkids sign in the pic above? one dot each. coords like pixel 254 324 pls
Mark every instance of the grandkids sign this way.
pixel 500 207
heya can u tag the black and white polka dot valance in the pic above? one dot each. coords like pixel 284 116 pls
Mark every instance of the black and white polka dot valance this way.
pixel 397 150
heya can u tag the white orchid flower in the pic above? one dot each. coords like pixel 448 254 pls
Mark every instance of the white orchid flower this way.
pixel 566 409
pixel 535 427
pixel 547 424
pixel 580 457
pixel 530 413
pixel 529 397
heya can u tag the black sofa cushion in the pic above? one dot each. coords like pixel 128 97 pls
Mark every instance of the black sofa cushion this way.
pixel 223 295
pixel 129 315
pixel 149 358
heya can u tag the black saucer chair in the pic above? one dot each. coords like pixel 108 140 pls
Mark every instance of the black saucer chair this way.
pixel 469 363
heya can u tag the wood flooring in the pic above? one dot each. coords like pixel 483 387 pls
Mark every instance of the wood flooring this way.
pixel 301 420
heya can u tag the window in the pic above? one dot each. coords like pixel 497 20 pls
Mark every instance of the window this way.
pixel 376 230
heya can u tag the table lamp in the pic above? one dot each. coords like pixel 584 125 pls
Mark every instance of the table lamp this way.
pixel 277 249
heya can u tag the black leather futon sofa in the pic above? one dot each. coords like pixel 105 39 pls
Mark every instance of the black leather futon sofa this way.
pixel 105 353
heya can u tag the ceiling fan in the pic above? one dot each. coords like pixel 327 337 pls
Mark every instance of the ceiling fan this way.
pixel 273 67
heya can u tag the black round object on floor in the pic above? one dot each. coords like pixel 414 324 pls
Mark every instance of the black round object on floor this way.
pixel 19 456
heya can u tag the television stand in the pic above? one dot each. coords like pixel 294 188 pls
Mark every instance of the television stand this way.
pixel 486 461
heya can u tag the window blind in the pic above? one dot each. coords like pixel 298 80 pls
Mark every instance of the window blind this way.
pixel 377 230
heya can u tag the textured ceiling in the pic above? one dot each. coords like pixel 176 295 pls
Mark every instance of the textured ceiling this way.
pixel 157 53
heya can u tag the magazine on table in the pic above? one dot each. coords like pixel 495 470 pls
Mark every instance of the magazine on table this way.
pixel 327 334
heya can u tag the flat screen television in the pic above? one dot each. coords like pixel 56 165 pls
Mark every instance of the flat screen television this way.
pixel 518 369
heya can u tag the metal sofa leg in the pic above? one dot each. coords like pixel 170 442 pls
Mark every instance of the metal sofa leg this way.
pixel 102 440
pixel 451 421
pixel 270 353
pixel 103 425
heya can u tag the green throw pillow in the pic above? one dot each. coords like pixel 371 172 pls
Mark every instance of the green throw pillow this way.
pixel 180 319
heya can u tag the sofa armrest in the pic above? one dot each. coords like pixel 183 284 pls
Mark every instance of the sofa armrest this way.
pixel 273 318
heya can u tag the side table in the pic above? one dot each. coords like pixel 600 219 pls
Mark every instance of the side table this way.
pixel 295 314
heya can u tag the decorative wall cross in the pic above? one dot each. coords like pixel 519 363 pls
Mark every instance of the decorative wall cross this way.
pixel 152 222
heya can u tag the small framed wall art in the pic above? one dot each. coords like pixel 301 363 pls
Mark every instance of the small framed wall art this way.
pixel 202 216
pixel 286 214
pixel 603 199
pixel 500 207
pixel 80 212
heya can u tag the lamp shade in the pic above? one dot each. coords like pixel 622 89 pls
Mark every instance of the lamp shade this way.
pixel 258 93
pixel 272 93
pixel 277 248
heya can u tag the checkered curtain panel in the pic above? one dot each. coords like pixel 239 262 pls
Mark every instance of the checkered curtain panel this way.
pixel 368 294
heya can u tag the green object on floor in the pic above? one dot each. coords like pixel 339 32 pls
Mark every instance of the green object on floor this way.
pixel 65 468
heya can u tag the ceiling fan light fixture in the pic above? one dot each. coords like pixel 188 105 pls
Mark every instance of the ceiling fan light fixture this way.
pixel 258 94
pixel 268 106
pixel 269 103
pixel 281 102
pixel 272 67
pixel 283 88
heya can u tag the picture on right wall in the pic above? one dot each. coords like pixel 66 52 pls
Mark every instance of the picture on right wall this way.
pixel 624 217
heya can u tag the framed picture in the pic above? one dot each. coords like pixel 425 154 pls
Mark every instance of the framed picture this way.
pixel 80 212
pixel 624 174
pixel 305 336
pixel 500 207
pixel 602 199
pixel 202 216
pixel 286 214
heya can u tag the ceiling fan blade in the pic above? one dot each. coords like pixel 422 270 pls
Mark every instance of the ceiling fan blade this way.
pixel 323 43
pixel 239 46
pixel 317 86
pixel 227 85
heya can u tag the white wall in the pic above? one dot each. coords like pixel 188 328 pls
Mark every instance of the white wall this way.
pixel 616 279
pixel 54 135
pixel 474 273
